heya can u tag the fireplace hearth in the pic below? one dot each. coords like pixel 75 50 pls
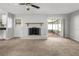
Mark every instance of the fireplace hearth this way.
pixel 34 31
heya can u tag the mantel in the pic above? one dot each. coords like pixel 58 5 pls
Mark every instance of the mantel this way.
pixel 34 23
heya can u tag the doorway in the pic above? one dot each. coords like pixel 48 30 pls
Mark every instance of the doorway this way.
pixel 56 26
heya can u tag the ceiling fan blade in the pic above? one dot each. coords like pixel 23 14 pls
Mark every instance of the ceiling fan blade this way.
pixel 35 6
pixel 22 3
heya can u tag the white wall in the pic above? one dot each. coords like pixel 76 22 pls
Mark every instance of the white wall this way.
pixel 23 31
pixel 10 31
pixel 66 25
pixel 71 23
pixel 74 25
pixel 65 20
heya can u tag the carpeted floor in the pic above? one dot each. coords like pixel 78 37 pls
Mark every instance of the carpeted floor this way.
pixel 53 46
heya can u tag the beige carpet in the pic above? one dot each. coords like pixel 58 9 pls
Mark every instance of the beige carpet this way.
pixel 53 46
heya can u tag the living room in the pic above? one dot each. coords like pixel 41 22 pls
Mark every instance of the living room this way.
pixel 39 29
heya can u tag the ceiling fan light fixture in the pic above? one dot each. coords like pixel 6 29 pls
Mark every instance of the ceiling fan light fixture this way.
pixel 28 9
pixel 29 5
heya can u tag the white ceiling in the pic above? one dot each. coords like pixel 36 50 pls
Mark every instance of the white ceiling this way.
pixel 45 8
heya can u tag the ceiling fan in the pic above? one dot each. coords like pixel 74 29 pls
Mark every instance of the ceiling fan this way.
pixel 28 5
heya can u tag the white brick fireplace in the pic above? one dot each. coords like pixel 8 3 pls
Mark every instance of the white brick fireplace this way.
pixel 34 35
pixel 34 28
pixel 32 21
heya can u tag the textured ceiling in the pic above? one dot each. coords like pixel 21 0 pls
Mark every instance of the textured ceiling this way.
pixel 45 8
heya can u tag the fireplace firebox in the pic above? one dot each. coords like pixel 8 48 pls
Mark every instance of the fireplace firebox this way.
pixel 34 31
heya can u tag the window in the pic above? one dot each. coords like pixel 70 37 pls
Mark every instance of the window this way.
pixel 4 17
pixel 50 26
